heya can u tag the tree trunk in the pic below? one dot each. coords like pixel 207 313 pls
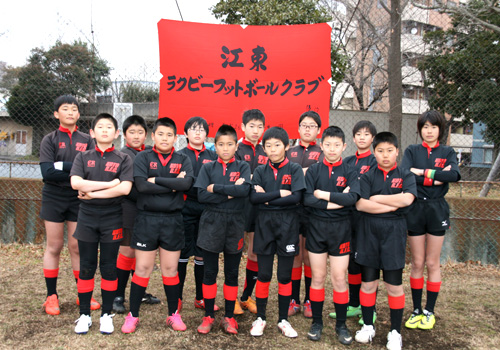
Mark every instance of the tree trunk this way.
pixel 495 169
pixel 394 73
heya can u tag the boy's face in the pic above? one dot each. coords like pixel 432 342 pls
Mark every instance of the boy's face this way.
pixel 225 147
pixel 308 130
pixel 253 130
pixel 275 150
pixel 104 131
pixel 196 135
pixel 135 136
pixel 363 139
pixel 430 133
pixel 386 154
pixel 332 148
pixel 164 138
pixel 67 114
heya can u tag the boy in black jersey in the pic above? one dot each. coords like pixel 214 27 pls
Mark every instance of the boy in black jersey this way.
pixel 251 151
pixel 102 176
pixel 196 131
pixel 434 165
pixel 363 160
pixel 162 176
pixel 306 153
pixel 59 201
pixel 332 190
pixel 134 132
pixel 386 193
pixel 278 187
pixel 223 185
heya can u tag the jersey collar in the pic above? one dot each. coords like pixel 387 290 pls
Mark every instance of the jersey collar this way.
pixel 164 161
pixel 331 165
pixel 67 131
pixel 142 148
pixel 387 172
pixel 313 143
pixel 196 152
pixel 248 143
pixel 111 149
pixel 275 170
pixel 362 155
pixel 224 164
pixel 429 148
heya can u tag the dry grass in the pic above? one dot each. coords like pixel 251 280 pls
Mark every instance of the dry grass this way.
pixel 468 313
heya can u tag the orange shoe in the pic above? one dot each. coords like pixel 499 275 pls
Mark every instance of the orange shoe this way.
pixel 51 305
pixel 200 304
pixel 94 305
pixel 237 308
pixel 249 305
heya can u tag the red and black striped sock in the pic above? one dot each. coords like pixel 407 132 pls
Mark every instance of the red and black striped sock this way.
pixel 367 301
pixel 171 287
pixel 230 295
pixel 85 290
pixel 307 281
pixel 181 271
pixel 137 289
pixel 354 288
pixel 284 296
pixel 432 295
pixel 317 302
pixel 417 285
pixel 250 279
pixel 397 306
pixel 209 294
pixel 296 279
pixel 341 301
pixel 108 292
pixel 261 296
pixel 123 267
pixel 51 280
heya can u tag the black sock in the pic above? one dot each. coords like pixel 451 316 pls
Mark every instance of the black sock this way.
pixel 261 307
pixel 317 311
pixel 199 268
pixel 209 307
pixel 123 276
pixel 368 314
pixel 307 283
pixel 296 291
pixel 251 279
pixel 172 293
pixel 416 295
pixel 396 319
pixel 107 301
pixel 283 304
pixel 136 294
pixel 341 311
pixel 354 294
pixel 51 284
pixel 85 303
pixel 229 307
pixel 431 301
pixel 181 270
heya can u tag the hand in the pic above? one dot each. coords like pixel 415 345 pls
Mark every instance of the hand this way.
pixel 152 180
pixel 321 195
pixel 438 183
pixel 285 193
pixel 115 182
pixel 304 170
pixel 346 190
pixel 230 197
pixel 210 188
pixel 181 175
pixel 84 195
pixel 240 181
pixel 259 189
pixel 447 168
pixel 418 172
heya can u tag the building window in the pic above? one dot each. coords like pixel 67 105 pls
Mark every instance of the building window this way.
pixel 488 155
pixel 21 137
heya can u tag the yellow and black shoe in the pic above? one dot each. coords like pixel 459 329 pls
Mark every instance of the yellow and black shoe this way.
pixel 414 320
pixel 428 320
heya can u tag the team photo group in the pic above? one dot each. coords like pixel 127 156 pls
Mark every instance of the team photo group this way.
pixel 303 204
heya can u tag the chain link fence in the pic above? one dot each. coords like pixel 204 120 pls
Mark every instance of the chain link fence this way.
pixel 448 62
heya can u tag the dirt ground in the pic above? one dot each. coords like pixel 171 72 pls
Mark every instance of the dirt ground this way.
pixel 467 312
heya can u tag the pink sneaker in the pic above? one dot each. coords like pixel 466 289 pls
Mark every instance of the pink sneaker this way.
pixel 130 324
pixel 175 321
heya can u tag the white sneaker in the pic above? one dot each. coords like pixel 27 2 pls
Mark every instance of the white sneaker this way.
pixel 107 324
pixel 365 335
pixel 83 324
pixel 287 330
pixel 394 341
pixel 258 327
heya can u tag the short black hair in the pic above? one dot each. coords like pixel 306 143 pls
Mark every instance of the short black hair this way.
pixel 385 136
pixel 313 115
pixel 253 114
pixel 65 99
pixel 164 121
pixel 364 124
pixel 226 130
pixel 196 121
pixel 104 116
pixel 333 131
pixel 276 133
pixel 134 120
pixel 433 117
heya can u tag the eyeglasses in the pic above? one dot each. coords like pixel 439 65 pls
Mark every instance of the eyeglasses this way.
pixel 196 131
pixel 310 127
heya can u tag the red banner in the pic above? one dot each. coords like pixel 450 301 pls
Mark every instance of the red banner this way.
pixel 218 71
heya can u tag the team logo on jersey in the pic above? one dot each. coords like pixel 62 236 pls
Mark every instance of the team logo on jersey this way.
pixel 345 248
pixel 286 179
pixel 341 181
pixel 314 155
pixel 117 234
pixel 397 183
pixel 111 167
pixel 234 175
pixel 294 155
pixel 444 223
pixel 247 157
pixel 262 159
pixel 240 244
pixel 290 248
pixel 91 164
pixel 364 169
pixel 62 145
pixel 206 161
pixel 175 168
pixel 439 162
pixel 81 147
pixel 153 165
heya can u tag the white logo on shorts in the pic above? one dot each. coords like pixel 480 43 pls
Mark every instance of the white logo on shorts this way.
pixel 143 245
pixel 290 248
pixel 444 223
